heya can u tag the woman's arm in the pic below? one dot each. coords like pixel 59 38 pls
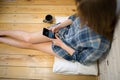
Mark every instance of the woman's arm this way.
pixel 61 25
pixel 64 24
pixel 68 49
pixel 60 43
pixel 68 22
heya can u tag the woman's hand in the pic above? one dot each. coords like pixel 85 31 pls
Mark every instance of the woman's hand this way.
pixel 57 41
pixel 61 25
pixel 55 29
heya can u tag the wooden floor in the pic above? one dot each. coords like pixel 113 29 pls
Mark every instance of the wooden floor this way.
pixel 27 15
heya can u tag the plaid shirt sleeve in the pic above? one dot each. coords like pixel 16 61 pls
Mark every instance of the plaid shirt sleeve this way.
pixel 72 17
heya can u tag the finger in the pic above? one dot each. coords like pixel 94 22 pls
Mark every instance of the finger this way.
pixel 56 36
pixel 50 39
pixel 55 31
pixel 49 28
pixel 52 30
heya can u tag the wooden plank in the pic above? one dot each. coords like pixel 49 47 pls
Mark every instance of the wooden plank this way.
pixel 39 73
pixel 46 9
pixel 26 18
pixel 38 2
pixel 26 60
pixel 2 71
pixel 16 79
pixel 25 27
pixel 21 18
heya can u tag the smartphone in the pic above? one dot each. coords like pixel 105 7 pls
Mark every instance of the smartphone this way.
pixel 48 33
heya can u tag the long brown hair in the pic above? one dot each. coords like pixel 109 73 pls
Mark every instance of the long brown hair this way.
pixel 99 14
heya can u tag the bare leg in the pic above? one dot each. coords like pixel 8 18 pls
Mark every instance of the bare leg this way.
pixel 44 47
pixel 33 37
pixel 16 43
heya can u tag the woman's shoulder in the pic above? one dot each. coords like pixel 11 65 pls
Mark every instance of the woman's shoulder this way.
pixel 91 38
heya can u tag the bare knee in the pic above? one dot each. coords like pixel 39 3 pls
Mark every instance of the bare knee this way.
pixel 32 38
pixel 28 38
pixel 36 37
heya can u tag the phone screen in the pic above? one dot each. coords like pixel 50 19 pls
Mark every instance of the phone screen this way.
pixel 48 33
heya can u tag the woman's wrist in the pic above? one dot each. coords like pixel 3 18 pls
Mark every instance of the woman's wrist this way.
pixel 67 48
pixel 59 26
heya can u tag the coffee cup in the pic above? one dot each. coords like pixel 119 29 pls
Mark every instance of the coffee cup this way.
pixel 48 19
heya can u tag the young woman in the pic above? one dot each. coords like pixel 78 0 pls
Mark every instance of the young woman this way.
pixel 84 37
